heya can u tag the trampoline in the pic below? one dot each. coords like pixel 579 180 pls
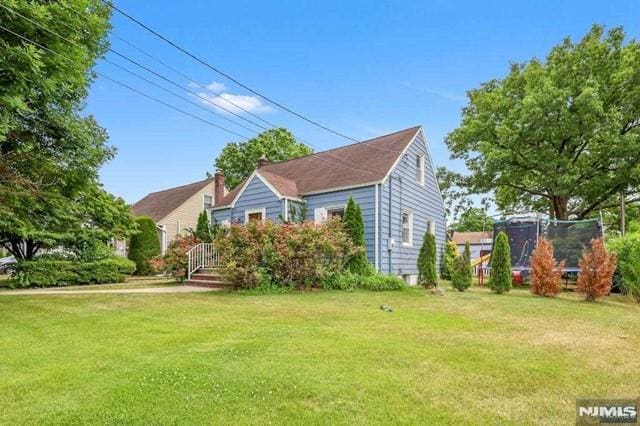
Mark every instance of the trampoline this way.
pixel 568 237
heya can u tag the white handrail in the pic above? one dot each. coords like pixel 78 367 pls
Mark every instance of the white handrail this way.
pixel 201 256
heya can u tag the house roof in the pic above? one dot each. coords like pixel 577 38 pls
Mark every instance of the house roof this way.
pixel 471 237
pixel 349 166
pixel 159 204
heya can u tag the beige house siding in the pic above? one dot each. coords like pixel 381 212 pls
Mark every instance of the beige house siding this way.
pixel 185 216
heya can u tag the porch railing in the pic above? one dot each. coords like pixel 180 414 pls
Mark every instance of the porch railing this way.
pixel 202 255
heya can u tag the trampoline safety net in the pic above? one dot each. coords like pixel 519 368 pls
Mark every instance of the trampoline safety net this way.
pixel 569 238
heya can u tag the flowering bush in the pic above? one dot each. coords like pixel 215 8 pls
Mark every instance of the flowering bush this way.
pixel 303 255
pixel 596 271
pixel 175 260
pixel 546 274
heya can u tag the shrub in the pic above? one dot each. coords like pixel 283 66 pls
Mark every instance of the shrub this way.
pixel 144 245
pixel 354 227
pixel 462 274
pixel 382 282
pixel 175 260
pixel 343 281
pixel 203 228
pixel 596 271
pixel 627 251
pixel 427 275
pixel 546 274
pixel 48 272
pixel 302 255
pixel 449 260
pixel 500 281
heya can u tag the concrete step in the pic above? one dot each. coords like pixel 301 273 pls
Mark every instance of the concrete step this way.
pixel 206 277
pixel 209 270
pixel 205 283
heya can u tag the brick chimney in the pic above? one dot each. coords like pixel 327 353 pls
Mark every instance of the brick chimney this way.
pixel 262 161
pixel 218 186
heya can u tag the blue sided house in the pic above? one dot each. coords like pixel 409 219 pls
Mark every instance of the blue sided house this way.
pixel 391 177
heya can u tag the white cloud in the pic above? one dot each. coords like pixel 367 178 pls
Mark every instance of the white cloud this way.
pixel 224 102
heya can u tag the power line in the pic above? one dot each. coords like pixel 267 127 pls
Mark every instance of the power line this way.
pixel 224 74
pixel 365 143
pixel 126 86
pixel 149 96
pixel 172 69
pixel 173 83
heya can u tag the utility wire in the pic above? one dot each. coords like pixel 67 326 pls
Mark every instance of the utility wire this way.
pixel 172 69
pixel 125 85
pixel 224 74
pixel 139 65
pixel 364 143
pixel 153 98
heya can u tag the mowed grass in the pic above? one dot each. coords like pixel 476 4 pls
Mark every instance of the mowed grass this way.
pixel 312 358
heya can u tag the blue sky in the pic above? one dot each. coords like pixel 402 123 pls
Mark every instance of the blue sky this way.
pixel 364 68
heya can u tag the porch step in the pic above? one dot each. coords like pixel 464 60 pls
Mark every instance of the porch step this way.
pixel 208 277
pixel 211 284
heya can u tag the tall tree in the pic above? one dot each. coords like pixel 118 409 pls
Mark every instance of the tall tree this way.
pixel 203 228
pixel 427 274
pixel 474 219
pixel 500 281
pixel 50 153
pixel 560 135
pixel 449 260
pixel 238 159
pixel 354 226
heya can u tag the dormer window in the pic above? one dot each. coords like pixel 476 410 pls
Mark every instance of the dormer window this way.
pixel 420 169
pixel 207 201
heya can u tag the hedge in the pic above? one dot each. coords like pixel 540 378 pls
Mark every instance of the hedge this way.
pixel 145 245
pixel 60 273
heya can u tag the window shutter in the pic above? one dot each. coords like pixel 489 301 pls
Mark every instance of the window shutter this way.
pixel 320 215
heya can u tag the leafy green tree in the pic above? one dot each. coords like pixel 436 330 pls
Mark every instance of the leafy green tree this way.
pixel 474 219
pixel 354 226
pixel 50 153
pixel 203 228
pixel 449 260
pixel 145 245
pixel 238 159
pixel 427 275
pixel 500 281
pixel 559 135
pixel 462 274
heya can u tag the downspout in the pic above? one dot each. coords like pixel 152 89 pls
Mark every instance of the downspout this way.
pixel 376 237
pixel 389 248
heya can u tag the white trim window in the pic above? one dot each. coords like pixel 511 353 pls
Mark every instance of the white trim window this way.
pixel 207 201
pixel 431 227
pixel 255 215
pixel 336 211
pixel 420 169
pixel 406 220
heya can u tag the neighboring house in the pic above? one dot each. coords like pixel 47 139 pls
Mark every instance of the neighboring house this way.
pixel 392 178
pixel 175 210
pixel 480 243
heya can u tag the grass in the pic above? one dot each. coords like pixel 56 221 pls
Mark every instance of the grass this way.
pixel 316 358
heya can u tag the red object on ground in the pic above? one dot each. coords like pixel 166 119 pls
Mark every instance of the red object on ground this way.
pixel 517 278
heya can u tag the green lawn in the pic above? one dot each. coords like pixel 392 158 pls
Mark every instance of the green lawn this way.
pixel 313 358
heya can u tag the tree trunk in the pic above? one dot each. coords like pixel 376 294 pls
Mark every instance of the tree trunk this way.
pixel 560 207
